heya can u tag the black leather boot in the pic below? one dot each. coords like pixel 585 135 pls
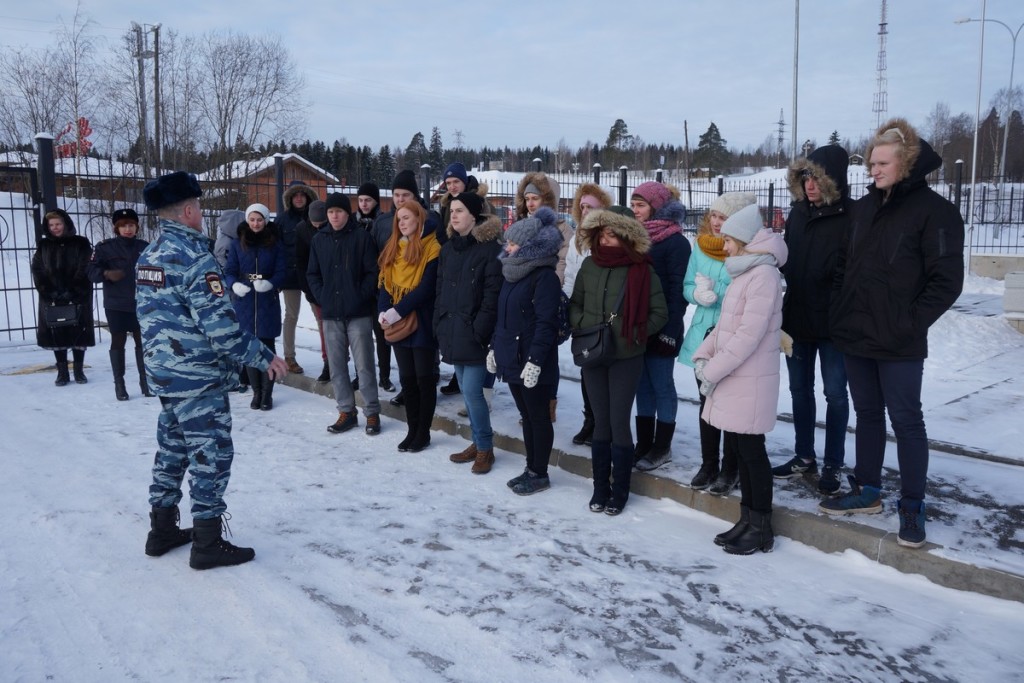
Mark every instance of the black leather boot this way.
pixel 644 437
pixel 210 550
pixel 267 389
pixel 756 536
pixel 164 534
pixel 140 363
pixel 117 367
pixel 601 461
pixel 256 382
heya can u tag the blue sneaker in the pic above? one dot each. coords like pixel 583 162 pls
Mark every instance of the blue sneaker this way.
pixel 860 499
pixel 911 523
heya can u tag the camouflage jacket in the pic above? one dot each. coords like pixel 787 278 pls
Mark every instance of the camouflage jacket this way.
pixel 193 343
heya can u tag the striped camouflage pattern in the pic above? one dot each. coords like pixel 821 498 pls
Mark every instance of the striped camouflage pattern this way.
pixel 200 426
pixel 192 340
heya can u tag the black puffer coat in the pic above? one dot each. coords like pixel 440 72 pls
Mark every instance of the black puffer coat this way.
pixel 814 235
pixel 468 282
pixel 60 274
pixel 117 253
pixel 902 269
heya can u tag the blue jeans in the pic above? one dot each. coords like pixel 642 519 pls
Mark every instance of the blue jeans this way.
pixel 877 386
pixel 472 379
pixel 801 387
pixel 656 396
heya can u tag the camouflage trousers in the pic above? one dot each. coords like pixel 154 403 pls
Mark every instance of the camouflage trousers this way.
pixel 193 434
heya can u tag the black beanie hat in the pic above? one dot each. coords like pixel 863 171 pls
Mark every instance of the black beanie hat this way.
pixel 337 200
pixel 369 190
pixel 406 180
pixel 472 201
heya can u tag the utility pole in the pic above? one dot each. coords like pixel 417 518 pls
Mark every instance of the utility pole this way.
pixel 796 69
pixel 140 55
pixel 156 99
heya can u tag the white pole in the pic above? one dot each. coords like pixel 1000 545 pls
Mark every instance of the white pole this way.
pixel 974 153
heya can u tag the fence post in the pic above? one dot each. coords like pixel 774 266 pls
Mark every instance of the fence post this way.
pixel 536 163
pixel 279 182
pixel 426 189
pixel 623 197
pixel 958 185
pixel 771 206
pixel 721 185
pixel 47 181
pixel 597 174
pixel 658 175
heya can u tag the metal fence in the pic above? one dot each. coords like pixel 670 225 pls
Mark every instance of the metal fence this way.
pixel 997 214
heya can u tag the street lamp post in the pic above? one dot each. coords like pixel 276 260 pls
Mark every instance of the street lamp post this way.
pixel 1009 93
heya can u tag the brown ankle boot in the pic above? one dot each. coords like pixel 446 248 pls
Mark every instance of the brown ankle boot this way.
pixel 484 461
pixel 468 455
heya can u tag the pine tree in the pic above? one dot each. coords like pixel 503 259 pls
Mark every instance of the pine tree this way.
pixel 436 156
pixel 834 138
pixel 416 152
pixel 711 152
pixel 385 167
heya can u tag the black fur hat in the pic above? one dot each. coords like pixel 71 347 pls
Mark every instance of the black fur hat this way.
pixel 170 189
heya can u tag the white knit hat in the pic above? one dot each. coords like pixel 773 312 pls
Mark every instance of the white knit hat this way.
pixel 744 224
pixel 730 202
pixel 258 208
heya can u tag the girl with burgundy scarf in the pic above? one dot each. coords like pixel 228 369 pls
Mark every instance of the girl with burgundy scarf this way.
pixel 618 262
pixel 657 206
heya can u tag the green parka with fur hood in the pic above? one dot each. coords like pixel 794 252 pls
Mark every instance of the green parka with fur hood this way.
pixel 597 289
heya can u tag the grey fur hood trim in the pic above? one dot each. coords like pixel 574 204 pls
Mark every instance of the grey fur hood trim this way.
pixel 548 187
pixel 828 166
pixel 594 190
pixel 293 190
pixel 487 230
pixel 625 228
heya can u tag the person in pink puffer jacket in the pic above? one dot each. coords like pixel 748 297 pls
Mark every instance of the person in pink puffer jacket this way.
pixel 738 367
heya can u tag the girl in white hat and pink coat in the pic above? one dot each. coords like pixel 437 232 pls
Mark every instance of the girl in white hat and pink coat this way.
pixel 738 366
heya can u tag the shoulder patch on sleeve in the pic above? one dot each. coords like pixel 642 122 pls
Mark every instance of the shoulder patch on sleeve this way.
pixel 149 275
pixel 215 284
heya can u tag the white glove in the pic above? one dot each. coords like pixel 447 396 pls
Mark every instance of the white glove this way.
pixel 705 297
pixel 492 365
pixel 262 286
pixel 706 388
pixel 389 317
pixel 698 368
pixel 703 293
pixel 240 290
pixel 530 375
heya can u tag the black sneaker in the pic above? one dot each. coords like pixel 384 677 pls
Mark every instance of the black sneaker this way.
pixel 531 483
pixel 797 467
pixel 398 399
pixel 511 483
pixel 355 384
pixel 911 523
pixel 325 374
pixel 385 384
pixel 828 482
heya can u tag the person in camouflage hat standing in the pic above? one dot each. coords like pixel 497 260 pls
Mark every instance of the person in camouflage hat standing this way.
pixel 193 345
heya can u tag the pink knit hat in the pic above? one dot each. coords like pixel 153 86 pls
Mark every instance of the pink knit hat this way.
pixel 654 193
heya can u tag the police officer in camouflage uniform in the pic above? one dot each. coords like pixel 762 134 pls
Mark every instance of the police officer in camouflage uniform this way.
pixel 193 344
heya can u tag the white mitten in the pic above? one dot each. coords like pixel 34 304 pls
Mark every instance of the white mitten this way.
pixel 706 388
pixel 705 297
pixel 492 365
pixel 786 344
pixel 390 317
pixel 702 280
pixel 262 286
pixel 698 368
pixel 240 290
pixel 530 375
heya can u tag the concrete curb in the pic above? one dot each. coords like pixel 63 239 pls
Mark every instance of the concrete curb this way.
pixel 828 534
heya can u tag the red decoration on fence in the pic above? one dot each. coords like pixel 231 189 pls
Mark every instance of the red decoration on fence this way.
pixel 80 146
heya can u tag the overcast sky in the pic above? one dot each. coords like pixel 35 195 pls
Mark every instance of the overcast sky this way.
pixel 529 73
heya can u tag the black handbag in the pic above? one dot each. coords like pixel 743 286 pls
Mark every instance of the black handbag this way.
pixel 61 315
pixel 595 345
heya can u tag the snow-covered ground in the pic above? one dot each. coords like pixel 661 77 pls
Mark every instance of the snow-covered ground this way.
pixel 374 565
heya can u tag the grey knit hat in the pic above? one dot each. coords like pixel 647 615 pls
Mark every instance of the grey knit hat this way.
pixel 729 203
pixel 744 224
